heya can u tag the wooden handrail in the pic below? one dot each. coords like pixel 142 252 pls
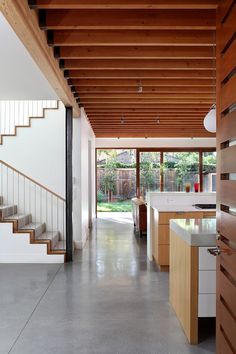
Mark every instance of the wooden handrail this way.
pixel 32 180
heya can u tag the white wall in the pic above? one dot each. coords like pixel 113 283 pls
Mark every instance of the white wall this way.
pixel 16 248
pixel 39 151
pixel 154 142
pixel 82 134
pixel 20 77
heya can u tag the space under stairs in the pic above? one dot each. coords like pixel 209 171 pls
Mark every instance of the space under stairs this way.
pixel 32 209
pixel 18 114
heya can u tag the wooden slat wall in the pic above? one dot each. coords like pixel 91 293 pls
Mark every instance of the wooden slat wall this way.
pixel 226 135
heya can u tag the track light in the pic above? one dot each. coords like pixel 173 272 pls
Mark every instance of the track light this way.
pixel 140 87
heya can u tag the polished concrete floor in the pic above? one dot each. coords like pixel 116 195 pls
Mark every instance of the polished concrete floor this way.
pixel 109 301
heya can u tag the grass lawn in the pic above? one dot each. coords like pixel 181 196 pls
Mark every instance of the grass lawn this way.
pixel 124 206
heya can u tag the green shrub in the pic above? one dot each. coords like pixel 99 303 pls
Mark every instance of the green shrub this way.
pixel 100 196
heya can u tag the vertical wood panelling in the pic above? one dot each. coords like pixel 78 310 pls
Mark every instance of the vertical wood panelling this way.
pixel 226 133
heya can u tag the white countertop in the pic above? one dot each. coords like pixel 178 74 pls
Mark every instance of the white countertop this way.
pixel 179 208
pixel 196 232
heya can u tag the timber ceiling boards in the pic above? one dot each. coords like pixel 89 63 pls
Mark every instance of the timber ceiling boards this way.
pixel 140 68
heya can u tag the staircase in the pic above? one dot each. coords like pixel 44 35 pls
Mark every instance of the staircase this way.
pixel 32 209
pixel 18 114
pixel 22 223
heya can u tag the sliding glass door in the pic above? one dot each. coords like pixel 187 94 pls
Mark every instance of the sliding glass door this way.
pixel 149 171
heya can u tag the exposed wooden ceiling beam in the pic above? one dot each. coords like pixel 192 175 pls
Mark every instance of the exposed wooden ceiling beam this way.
pixel 144 96
pixel 141 111
pixel 134 52
pixel 145 82
pixel 138 64
pixel 109 48
pixel 136 101
pixel 136 116
pixel 140 74
pixel 168 133
pixel 130 38
pixel 146 89
pixel 128 19
pixel 124 4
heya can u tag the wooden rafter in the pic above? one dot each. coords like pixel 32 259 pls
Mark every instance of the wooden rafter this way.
pixel 124 4
pixel 141 59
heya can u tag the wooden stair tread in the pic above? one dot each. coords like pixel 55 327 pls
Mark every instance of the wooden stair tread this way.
pixel 60 246
pixel 16 216
pixel 48 235
pixel 32 226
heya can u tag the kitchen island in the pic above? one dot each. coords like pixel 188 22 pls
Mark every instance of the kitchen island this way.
pixel 192 272
pixel 164 206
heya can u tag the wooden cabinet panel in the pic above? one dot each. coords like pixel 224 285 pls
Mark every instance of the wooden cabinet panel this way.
pixel 163 234
pixel 162 230
pixel 209 214
pixel 164 218
pixel 163 255
pixel 184 285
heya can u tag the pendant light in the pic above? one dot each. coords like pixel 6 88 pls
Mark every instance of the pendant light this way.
pixel 210 119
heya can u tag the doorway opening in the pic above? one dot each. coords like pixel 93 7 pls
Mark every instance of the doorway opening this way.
pixel 116 180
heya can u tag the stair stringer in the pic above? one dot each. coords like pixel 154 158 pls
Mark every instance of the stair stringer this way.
pixel 30 118
pixel 16 247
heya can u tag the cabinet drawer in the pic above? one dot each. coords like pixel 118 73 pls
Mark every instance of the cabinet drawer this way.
pixel 164 218
pixel 206 305
pixel 163 234
pixel 205 260
pixel 207 282
pixel 163 255
pixel 209 214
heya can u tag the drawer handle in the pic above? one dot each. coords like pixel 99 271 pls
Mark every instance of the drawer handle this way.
pixel 216 251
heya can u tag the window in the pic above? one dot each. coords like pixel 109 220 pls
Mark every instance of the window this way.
pixel 149 172
pixel 209 171
pixel 180 168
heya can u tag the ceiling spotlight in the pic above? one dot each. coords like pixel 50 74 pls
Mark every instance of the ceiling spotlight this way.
pixel 158 121
pixel 140 87
pixel 122 121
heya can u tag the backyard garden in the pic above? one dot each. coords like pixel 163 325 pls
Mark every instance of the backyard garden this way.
pixel 116 175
